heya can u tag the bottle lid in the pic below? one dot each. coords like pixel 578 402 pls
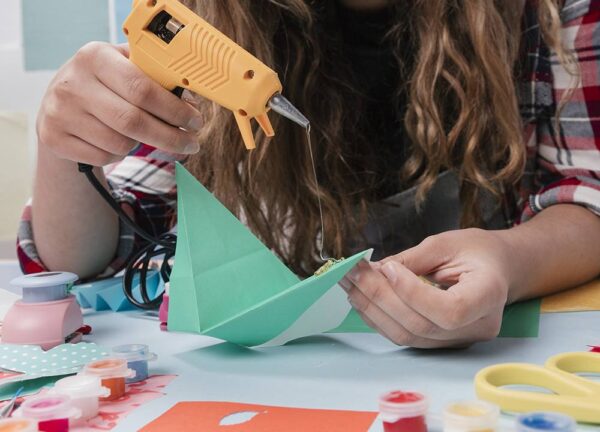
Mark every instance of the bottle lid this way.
pixel 133 352
pixel 397 405
pixel 49 407
pixel 545 421
pixel 81 386
pixel 44 287
pixel 470 415
pixel 109 368
pixel 18 425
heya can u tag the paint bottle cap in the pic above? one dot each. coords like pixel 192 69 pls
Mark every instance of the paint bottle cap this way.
pixel 80 386
pixel 470 415
pixel 45 287
pixel 397 405
pixel 18 425
pixel 49 407
pixel 109 368
pixel 133 352
pixel 545 421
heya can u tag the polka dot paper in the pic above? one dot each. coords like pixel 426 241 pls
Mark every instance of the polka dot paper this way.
pixel 61 360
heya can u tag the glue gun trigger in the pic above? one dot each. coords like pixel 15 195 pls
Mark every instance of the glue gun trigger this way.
pixel 265 124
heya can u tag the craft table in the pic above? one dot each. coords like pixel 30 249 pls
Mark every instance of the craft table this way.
pixel 345 371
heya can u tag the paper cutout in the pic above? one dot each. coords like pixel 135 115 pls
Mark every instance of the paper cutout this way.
pixel 30 386
pixel 108 293
pixel 580 299
pixel 226 283
pixel 206 416
pixel 595 349
pixel 54 31
pixel 35 363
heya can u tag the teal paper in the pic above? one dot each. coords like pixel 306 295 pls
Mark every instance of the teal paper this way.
pixel 54 30
pixel 225 282
pixel 30 387
pixel 520 320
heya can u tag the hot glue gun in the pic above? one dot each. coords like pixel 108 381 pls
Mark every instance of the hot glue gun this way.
pixel 180 50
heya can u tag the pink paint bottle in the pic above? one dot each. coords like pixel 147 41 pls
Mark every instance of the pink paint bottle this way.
pixel 403 412
pixel 52 412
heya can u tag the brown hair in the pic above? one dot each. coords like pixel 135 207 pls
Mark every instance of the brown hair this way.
pixel 462 115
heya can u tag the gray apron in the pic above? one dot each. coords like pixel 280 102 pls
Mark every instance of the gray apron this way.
pixel 394 224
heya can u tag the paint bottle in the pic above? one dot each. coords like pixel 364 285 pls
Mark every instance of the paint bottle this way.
pixel 53 413
pixel 471 416
pixel 403 412
pixel 137 357
pixel 545 421
pixel 18 425
pixel 112 373
pixel 84 391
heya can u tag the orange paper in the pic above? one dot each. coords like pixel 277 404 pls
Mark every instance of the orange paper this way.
pixel 207 416
pixel 580 299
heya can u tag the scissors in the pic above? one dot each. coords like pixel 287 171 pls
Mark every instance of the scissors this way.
pixel 572 393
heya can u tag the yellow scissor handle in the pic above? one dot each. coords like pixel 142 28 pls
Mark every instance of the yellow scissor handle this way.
pixel 573 395
pixel 577 362
pixel 177 48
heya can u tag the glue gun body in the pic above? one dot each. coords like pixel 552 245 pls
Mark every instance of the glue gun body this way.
pixel 178 49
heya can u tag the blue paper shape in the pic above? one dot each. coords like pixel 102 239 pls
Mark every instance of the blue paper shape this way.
pixel 122 10
pixel 54 30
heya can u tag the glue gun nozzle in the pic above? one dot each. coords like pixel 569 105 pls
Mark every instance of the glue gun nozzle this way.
pixel 284 107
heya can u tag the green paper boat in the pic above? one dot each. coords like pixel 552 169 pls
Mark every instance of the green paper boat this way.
pixel 227 284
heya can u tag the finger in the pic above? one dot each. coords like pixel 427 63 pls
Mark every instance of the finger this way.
pixel 93 131
pixel 74 148
pixel 458 306
pixel 139 89
pixel 424 258
pixel 139 125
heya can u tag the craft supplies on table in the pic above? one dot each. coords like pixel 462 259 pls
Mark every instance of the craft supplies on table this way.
pixel 47 315
pixel 572 394
pixel 52 412
pixel 112 372
pixel 545 421
pixel 18 425
pixel 84 391
pixel 403 411
pixel 137 357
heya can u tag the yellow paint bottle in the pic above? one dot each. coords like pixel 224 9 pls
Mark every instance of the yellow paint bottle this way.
pixel 471 416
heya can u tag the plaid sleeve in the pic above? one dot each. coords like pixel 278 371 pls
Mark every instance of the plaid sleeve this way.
pixel 143 183
pixel 567 167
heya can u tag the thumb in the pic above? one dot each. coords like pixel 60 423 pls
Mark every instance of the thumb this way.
pixel 424 258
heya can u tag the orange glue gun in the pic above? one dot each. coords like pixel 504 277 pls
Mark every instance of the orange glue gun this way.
pixel 180 50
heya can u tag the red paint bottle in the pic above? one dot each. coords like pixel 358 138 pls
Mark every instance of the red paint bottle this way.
pixel 403 412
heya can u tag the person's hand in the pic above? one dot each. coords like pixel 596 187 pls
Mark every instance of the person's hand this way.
pixel 100 104
pixel 476 266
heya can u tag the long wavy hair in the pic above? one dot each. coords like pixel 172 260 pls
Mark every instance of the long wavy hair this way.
pixel 462 115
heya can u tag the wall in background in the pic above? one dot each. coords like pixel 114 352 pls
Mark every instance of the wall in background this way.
pixel 38 36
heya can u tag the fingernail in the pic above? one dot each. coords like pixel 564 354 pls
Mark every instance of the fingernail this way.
pixel 354 274
pixel 389 270
pixel 192 147
pixel 195 124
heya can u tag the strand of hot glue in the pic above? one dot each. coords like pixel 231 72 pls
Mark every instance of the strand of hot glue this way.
pixel 328 261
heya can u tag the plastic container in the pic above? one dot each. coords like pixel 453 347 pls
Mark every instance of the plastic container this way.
pixel 84 391
pixel 545 421
pixel 52 412
pixel 18 425
pixel 45 287
pixel 137 357
pixel 112 373
pixel 403 412
pixel 471 416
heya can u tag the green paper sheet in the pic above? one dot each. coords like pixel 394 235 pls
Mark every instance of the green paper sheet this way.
pixel 226 283
pixel 31 386
pixel 520 320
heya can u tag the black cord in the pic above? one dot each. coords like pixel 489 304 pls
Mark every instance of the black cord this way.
pixel 164 246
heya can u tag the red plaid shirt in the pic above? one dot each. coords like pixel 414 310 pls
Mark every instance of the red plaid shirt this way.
pixel 563 170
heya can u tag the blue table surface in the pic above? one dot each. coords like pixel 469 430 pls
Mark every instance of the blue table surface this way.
pixel 342 371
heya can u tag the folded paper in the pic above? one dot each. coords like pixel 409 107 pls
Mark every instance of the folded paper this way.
pixel 227 284
pixel 241 417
